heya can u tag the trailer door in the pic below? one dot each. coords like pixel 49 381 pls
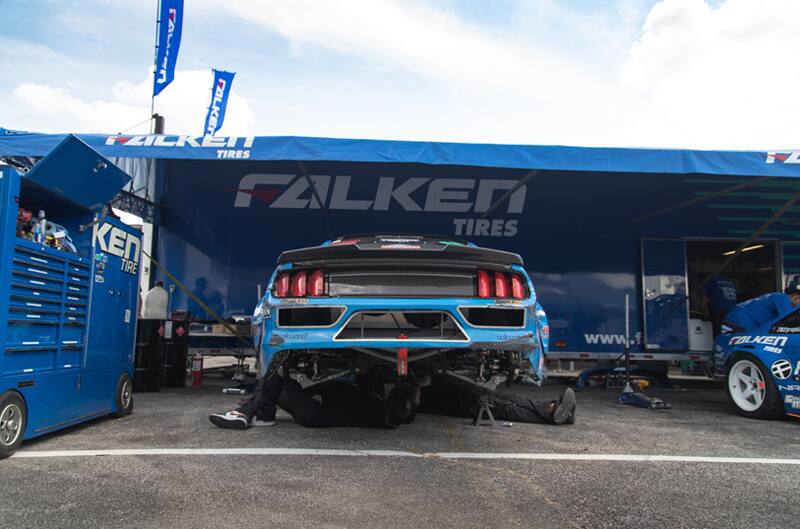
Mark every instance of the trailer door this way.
pixel 666 300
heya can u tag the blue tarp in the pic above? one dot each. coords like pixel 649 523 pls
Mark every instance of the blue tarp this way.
pixel 289 148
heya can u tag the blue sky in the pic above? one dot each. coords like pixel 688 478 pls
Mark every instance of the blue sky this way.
pixel 588 72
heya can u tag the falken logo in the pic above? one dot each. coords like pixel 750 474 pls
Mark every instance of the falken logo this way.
pixel 779 341
pixel 453 195
pixel 219 93
pixel 120 243
pixel 227 147
pixel 437 195
pixel 783 157
pixel 166 140
pixel 162 72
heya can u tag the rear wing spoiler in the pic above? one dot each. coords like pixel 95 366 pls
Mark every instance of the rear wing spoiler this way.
pixel 396 253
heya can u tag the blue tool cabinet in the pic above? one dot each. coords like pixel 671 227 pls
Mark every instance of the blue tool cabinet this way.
pixel 68 320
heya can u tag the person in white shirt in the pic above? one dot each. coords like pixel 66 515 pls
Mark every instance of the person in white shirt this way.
pixel 154 303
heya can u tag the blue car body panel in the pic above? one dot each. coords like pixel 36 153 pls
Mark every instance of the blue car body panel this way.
pixel 267 332
pixel 775 350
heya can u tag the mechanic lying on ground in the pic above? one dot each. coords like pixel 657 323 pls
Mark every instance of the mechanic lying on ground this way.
pixel 754 314
pixel 363 404
pixel 446 396
pixel 329 404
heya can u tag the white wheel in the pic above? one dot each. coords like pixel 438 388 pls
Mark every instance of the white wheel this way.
pixel 750 388
pixel 747 386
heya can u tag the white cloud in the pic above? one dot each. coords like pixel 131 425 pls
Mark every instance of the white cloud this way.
pixel 722 77
pixel 183 102
pixel 417 38
pixel 693 76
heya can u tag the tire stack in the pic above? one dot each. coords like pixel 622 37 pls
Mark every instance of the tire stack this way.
pixel 176 351
pixel 147 373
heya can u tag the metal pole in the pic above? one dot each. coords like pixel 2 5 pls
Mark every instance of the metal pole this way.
pixel 155 66
pixel 628 388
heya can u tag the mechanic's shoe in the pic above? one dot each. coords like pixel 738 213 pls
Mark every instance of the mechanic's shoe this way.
pixel 571 418
pixel 232 420
pixel 565 407
pixel 260 423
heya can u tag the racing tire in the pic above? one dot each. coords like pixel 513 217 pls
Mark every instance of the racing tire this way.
pixel 123 396
pixel 744 379
pixel 13 421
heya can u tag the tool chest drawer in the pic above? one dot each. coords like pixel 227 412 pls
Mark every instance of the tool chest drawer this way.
pixel 35 269
pixel 28 360
pixel 32 303
pixel 25 314
pixel 73 335
pixel 35 293
pixel 77 289
pixel 80 270
pixel 75 299
pixel 32 280
pixel 38 258
pixel 26 334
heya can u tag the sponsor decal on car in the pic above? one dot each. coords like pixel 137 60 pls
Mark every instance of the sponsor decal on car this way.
pixel 294 301
pixel 782 369
pixel 400 247
pixel 793 401
pixel 779 341
pixel 792 387
pixel 788 330
pixel 770 349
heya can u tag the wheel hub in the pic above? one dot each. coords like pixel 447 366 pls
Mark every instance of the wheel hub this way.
pixel 10 424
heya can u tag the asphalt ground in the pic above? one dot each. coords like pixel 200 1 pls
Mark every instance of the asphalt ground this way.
pixel 294 488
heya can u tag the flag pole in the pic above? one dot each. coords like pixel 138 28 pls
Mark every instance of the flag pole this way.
pixel 155 66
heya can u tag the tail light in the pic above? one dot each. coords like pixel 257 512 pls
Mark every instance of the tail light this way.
pixel 500 285
pixel 484 285
pixel 517 288
pixel 300 284
pixel 282 285
pixel 316 283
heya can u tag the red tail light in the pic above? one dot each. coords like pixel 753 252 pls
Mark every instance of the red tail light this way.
pixel 298 284
pixel 484 285
pixel 500 285
pixel 316 283
pixel 517 287
pixel 282 285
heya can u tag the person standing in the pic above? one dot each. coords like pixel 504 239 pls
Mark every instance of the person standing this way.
pixel 719 297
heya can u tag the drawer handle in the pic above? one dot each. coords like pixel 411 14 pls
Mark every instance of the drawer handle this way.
pixel 34 304
pixel 37 271
pixel 33 316
pixel 45 261
pixel 40 283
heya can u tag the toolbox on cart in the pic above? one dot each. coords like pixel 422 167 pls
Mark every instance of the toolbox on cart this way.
pixel 67 316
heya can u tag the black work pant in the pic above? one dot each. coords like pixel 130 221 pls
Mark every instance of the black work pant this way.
pixel 326 405
pixel 444 397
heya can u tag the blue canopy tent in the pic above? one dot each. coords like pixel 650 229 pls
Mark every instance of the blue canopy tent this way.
pixel 582 218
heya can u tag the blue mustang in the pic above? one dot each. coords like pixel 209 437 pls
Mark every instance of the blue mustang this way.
pixel 401 305
pixel 762 367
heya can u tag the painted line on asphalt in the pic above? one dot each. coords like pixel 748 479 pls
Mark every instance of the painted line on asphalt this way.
pixel 33 454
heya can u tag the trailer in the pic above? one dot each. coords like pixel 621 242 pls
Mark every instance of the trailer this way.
pixel 68 308
pixel 594 225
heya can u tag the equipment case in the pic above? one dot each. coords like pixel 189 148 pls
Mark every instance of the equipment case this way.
pixel 67 321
